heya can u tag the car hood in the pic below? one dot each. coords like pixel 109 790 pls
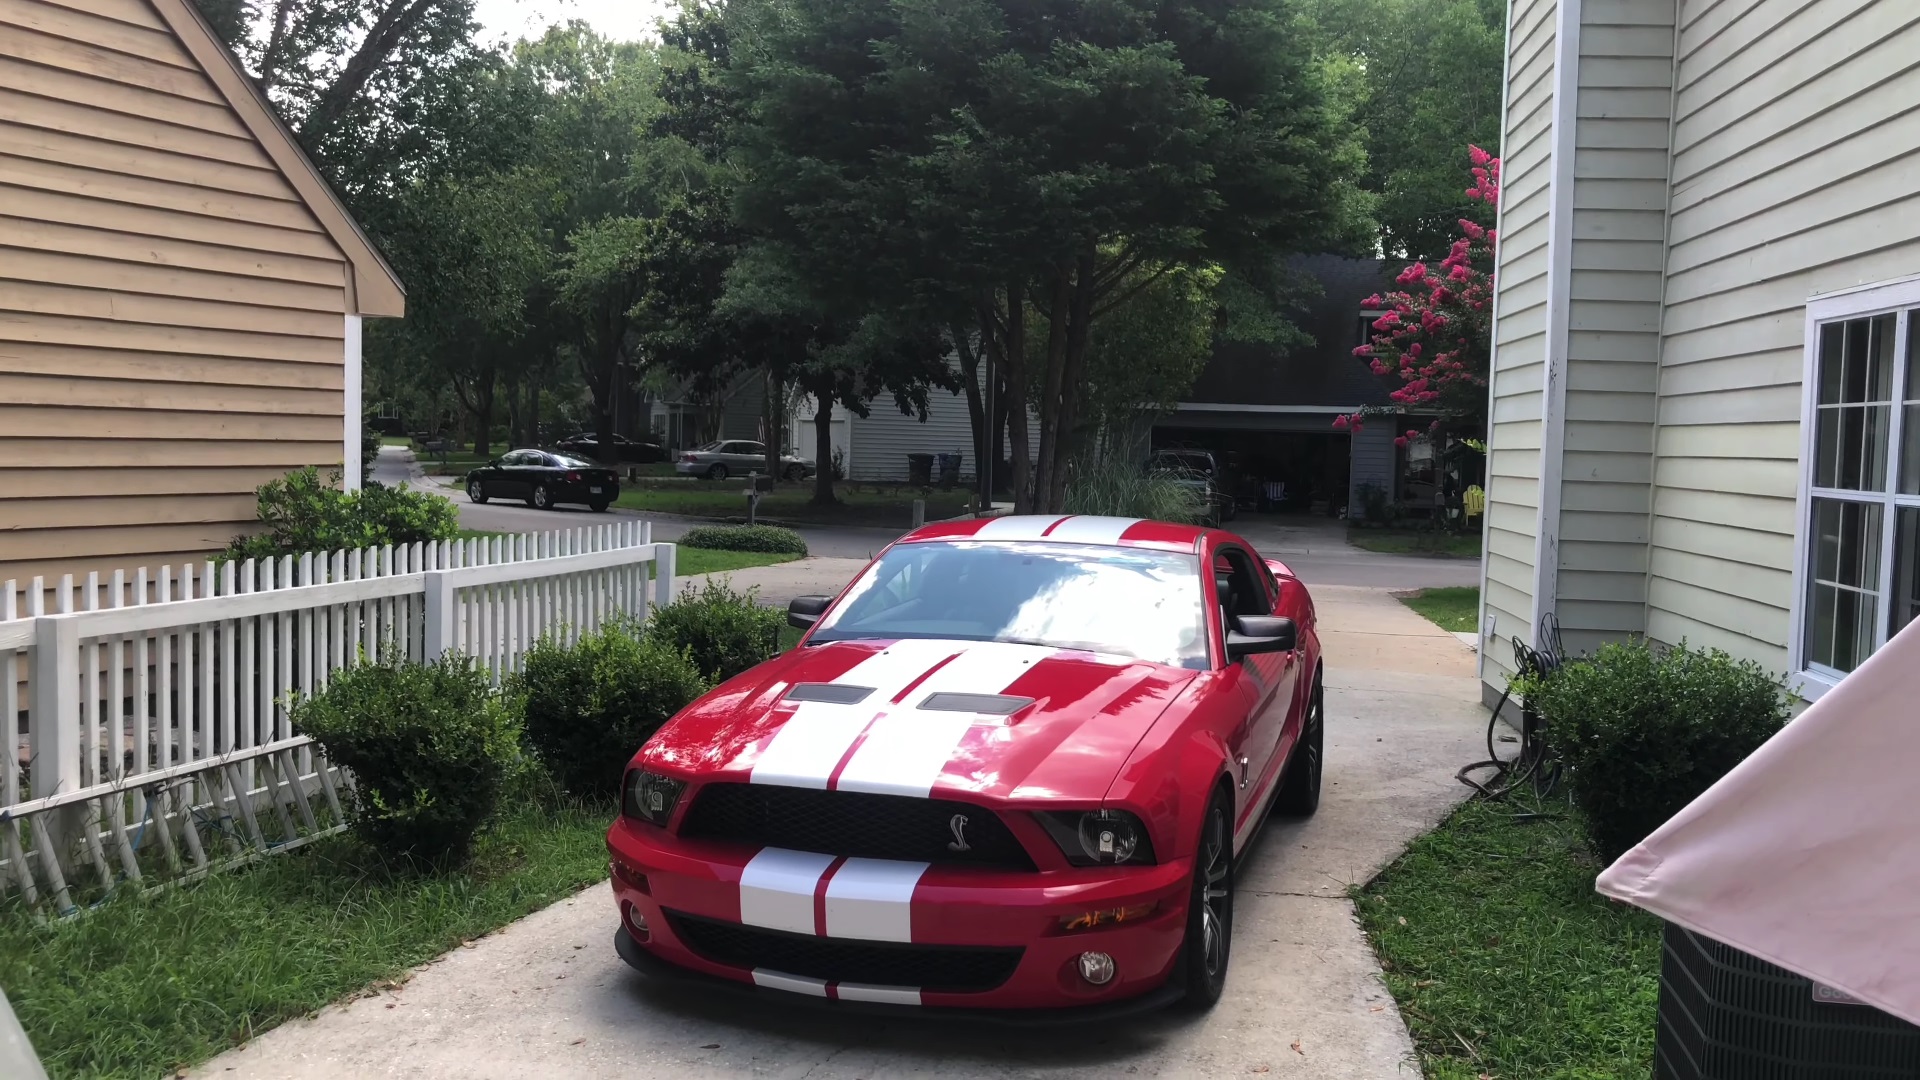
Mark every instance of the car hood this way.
pixel 1075 718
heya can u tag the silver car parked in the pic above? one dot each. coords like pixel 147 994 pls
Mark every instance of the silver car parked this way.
pixel 738 457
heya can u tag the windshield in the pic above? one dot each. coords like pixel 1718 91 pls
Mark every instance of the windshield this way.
pixel 1122 601
pixel 706 448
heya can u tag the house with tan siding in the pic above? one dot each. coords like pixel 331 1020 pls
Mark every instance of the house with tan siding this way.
pixel 1706 384
pixel 181 294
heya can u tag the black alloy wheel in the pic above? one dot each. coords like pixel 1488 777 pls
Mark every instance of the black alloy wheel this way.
pixel 599 507
pixel 1209 942
pixel 717 472
pixel 476 490
pixel 541 499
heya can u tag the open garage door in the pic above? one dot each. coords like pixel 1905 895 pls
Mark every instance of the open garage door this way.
pixel 1311 470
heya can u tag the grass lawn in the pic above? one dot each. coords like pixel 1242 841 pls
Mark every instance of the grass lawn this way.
pixel 1455 609
pixel 139 987
pixel 1505 961
pixel 689 561
pixel 1416 542
pixel 860 504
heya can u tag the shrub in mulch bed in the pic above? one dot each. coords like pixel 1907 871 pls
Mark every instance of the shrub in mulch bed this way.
pixel 767 539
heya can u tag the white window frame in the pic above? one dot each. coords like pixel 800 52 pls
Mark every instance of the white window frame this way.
pixel 1885 298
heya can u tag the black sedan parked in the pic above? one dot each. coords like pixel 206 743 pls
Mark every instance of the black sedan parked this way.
pixel 544 480
pixel 586 446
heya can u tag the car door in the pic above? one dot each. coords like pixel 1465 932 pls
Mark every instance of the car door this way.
pixel 1269 680
pixel 512 482
pixel 748 457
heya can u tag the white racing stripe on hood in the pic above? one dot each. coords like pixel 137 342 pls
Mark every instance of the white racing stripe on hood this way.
pixel 906 750
pixel 804 752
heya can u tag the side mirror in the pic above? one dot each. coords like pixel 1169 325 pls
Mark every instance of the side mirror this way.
pixel 804 611
pixel 493 464
pixel 1253 634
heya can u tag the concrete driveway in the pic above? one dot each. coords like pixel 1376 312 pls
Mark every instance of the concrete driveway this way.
pixel 546 997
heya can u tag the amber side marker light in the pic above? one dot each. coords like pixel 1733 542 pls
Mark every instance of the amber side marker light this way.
pixel 629 875
pixel 1087 920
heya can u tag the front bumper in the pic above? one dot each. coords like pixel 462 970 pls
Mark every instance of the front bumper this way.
pixel 948 909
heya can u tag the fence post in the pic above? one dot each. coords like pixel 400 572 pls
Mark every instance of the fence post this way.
pixel 663 574
pixel 440 615
pixel 54 731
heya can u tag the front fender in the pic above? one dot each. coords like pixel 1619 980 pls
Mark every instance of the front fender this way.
pixel 1172 773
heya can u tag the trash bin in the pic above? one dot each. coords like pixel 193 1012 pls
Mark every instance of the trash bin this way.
pixel 920 470
pixel 949 470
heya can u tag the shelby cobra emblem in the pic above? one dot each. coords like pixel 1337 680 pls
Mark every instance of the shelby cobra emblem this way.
pixel 958 823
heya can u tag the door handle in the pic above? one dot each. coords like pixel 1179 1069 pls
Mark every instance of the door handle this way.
pixel 1243 773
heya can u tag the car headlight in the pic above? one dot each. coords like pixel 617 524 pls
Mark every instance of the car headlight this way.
pixel 1099 837
pixel 650 797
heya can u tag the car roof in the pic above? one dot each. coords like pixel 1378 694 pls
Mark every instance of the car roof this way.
pixel 1066 529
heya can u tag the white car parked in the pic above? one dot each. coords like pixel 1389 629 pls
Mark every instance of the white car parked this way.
pixel 738 457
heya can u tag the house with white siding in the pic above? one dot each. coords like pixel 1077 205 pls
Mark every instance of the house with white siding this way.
pixel 1705 392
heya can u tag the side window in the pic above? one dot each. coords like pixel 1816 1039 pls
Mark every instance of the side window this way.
pixel 1241 588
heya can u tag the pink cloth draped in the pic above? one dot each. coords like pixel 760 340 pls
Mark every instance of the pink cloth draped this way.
pixel 1808 854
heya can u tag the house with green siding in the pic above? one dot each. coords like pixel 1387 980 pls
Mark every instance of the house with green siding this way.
pixel 1705 415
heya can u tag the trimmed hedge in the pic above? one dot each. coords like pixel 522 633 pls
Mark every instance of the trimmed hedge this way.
pixel 589 707
pixel 431 748
pixel 722 631
pixel 1643 732
pixel 769 539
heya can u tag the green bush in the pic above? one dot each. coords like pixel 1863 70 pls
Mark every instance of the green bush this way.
pixel 720 629
pixel 770 539
pixel 590 706
pixel 431 748
pixel 1116 487
pixel 1644 731
pixel 302 513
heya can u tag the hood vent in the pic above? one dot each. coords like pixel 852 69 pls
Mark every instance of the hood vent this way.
pixel 829 693
pixel 983 704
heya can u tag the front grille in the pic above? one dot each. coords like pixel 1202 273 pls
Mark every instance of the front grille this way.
pixel 852 823
pixel 957 969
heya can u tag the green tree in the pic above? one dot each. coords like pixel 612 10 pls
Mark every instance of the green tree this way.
pixel 1428 83
pixel 1033 167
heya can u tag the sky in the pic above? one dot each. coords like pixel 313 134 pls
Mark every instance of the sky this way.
pixel 620 19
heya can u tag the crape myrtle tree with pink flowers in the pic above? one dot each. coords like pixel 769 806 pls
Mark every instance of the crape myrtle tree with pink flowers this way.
pixel 1435 337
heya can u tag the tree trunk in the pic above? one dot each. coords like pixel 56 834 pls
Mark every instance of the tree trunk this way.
pixel 604 389
pixel 1012 360
pixel 1079 314
pixel 823 451
pixel 977 416
pixel 483 417
pixel 998 440
pixel 773 416
pixel 533 414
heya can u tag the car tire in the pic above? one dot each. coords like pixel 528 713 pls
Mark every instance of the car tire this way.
pixel 717 472
pixel 1299 794
pixel 796 473
pixel 541 498
pixel 599 507
pixel 1209 942
pixel 476 491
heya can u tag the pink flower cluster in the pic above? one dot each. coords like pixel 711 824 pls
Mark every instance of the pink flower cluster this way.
pixel 1434 336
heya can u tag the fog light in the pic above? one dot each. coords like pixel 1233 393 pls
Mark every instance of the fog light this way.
pixel 1096 967
pixel 637 923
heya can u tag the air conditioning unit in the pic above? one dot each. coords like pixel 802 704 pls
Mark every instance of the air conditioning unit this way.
pixel 1728 1015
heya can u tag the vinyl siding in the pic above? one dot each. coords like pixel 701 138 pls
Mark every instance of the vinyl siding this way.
pixel 1519 345
pixel 885 436
pixel 171 310
pixel 1620 151
pixel 1794 174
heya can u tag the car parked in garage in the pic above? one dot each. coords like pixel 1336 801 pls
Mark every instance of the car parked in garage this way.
pixel 544 480
pixel 1200 471
pixel 738 457
pixel 1013 766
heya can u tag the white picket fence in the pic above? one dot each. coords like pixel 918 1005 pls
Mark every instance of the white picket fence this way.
pixel 158 702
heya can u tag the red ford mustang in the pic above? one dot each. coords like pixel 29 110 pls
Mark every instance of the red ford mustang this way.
pixel 1009 768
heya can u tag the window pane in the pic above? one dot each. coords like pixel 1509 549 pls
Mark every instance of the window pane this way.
pixel 1906 569
pixel 1910 437
pixel 1843 613
pixel 1851 447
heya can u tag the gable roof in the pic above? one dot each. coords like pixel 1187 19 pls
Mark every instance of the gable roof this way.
pixel 373 289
